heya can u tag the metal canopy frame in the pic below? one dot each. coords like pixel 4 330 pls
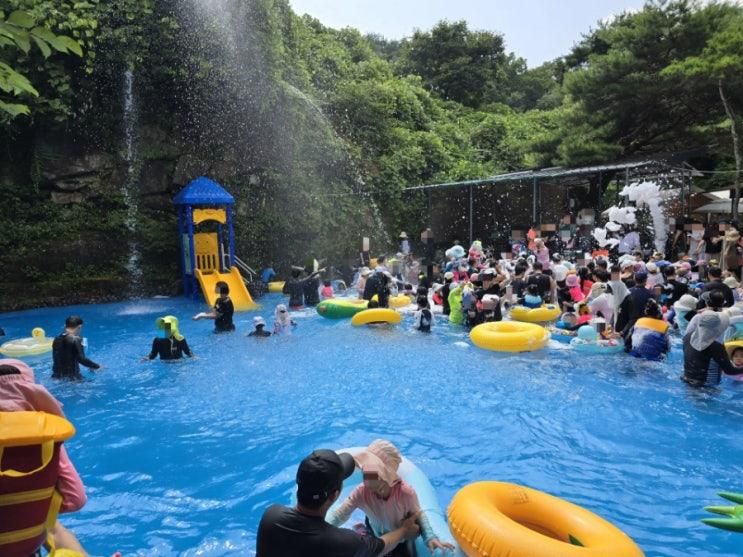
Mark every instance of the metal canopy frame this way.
pixel 572 177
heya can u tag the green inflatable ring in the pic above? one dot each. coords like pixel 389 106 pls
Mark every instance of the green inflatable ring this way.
pixel 340 308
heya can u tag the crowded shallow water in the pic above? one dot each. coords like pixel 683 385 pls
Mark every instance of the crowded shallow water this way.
pixel 182 459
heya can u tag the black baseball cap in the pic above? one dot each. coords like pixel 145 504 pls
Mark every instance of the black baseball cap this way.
pixel 322 473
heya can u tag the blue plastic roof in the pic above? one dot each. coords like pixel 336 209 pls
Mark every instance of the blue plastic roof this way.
pixel 203 191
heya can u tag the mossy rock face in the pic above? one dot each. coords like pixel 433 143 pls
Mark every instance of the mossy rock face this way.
pixel 83 289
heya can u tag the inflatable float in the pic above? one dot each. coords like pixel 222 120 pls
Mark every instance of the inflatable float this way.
pixel 498 519
pixel 34 345
pixel 399 301
pixel 509 336
pixel 426 499
pixel 276 287
pixel 733 521
pixel 560 332
pixel 588 341
pixel 31 443
pixel 548 312
pixel 340 308
pixel 376 315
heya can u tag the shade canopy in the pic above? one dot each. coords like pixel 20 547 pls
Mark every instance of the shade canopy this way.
pixel 203 191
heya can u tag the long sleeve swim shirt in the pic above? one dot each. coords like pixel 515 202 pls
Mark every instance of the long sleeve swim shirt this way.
pixel 385 515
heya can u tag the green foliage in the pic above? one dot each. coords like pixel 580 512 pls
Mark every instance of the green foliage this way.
pixel 317 131
pixel 18 32
pixel 458 64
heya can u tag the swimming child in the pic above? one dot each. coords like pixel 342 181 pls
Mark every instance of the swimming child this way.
pixel 327 290
pixel 169 344
pixel 532 299
pixel 260 325
pixel 386 498
pixel 423 318
pixel 283 323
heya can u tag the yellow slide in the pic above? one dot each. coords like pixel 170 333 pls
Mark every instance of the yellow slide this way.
pixel 238 291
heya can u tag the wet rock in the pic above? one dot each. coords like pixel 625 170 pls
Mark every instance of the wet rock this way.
pixel 155 178
pixel 66 198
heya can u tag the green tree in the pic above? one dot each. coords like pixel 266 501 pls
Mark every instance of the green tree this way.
pixel 457 64
pixel 622 103
pixel 18 32
pixel 720 66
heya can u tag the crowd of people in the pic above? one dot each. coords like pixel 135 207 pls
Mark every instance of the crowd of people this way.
pixel 635 298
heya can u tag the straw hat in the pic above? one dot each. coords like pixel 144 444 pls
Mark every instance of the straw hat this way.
pixel 403 235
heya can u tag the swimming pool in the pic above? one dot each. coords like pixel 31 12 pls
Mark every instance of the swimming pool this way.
pixel 182 459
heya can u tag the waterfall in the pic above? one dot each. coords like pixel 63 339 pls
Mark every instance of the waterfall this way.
pixel 129 187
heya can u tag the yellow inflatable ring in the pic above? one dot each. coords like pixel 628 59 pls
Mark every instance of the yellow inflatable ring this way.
pixel 495 519
pixel 276 287
pixel 399 301
pixel 510 336
pixel 34 345
pixel 548 312
pixel 376 315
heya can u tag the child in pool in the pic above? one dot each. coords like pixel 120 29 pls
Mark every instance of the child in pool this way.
pixel 385 498
pixel 283 323
pixel 737 358
pixel 327 290
pixel 259 323
pixel 584 314
pixel 532 299
pixel 423 317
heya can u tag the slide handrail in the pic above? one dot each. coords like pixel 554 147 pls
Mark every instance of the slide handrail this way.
pixel 245 267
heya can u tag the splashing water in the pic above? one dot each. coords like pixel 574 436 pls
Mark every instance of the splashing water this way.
pixel 128 190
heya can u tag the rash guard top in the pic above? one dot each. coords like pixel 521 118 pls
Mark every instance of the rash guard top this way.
pixel 68 354
pixel 169 349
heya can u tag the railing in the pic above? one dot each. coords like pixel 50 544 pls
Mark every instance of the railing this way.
pixel 240 264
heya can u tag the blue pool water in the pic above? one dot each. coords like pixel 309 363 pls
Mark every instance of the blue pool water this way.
pixel 182 459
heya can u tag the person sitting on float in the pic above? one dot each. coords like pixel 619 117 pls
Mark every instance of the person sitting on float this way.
pixel 531 299
pixel 386 499
pixel 648 338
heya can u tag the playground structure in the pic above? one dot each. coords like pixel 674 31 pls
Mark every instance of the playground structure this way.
pixel 208 255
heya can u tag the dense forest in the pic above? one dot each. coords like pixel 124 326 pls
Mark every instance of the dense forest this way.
pixel 108 108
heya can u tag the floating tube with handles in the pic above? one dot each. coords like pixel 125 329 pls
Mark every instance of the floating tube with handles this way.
pixel 498 519
pixel 376 315
pixel 34 345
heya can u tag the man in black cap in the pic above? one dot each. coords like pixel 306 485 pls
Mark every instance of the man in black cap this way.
pixel 303 532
